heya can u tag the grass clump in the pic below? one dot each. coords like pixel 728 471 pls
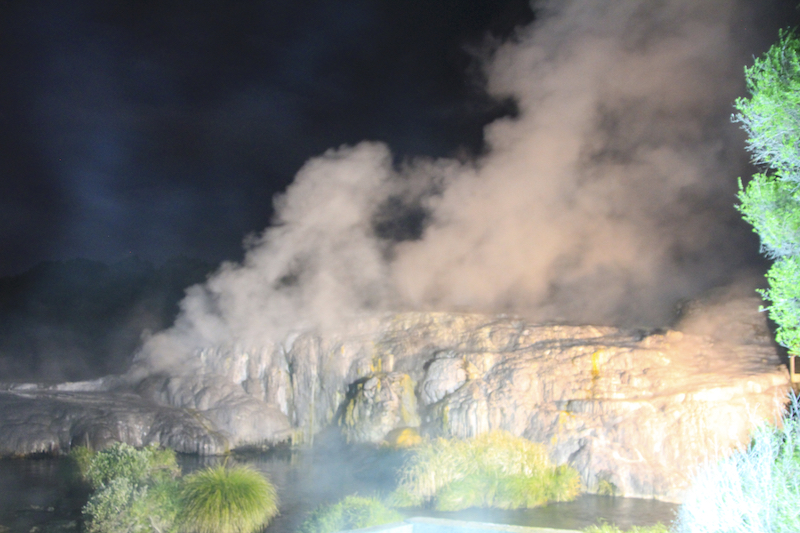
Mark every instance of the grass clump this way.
pixel 227 500
pixel 757 489
pixel 353 512
pixel 495 469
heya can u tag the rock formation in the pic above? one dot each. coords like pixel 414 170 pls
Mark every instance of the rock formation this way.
pixel 630 409
pixel 36 420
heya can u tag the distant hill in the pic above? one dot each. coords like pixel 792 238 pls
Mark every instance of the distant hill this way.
pixel 81 319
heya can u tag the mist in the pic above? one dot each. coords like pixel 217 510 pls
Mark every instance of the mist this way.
pixel 607 199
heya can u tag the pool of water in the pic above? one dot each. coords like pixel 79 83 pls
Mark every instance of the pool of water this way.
pixel 36 495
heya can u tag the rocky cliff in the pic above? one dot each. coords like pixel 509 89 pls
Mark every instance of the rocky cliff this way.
pixel 632 410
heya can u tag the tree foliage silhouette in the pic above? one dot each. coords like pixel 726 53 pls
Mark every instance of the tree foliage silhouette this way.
pixel 771 200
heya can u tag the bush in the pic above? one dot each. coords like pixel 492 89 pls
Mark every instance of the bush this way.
pixel 122 506
pixel 353 512
pixel 227 500
pixel 495 469
pixel 116 508
pixel 136 491
pixel 757 489
pixel 80 458
pixel 123 460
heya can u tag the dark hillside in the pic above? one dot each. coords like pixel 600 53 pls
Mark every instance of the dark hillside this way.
pixel 81 319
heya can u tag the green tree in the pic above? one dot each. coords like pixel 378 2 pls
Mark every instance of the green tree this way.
pixel 136 491
pixel 122 460
pixel 771 200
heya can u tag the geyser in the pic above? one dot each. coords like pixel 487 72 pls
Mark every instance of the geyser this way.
pixel 606 201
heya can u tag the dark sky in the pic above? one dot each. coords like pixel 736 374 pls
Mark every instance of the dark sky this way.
pixel 158 128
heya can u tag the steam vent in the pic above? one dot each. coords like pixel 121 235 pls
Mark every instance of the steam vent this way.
pixel 631 409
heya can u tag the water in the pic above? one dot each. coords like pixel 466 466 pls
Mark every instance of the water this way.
pixel 36 495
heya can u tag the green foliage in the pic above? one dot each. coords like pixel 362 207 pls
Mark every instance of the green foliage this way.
pixel 771 202
pixel 136 491
pixel 80 457
pixel 353 512
pixel 138 466
pixel 123 506
pixel 772 206
pixel 784 293
pixel 115 508
pixel 771 116
pixel 164 504
pixel 495 469
pixel 756 489
pixel 227 500
pixel 610 528
pixel 606 488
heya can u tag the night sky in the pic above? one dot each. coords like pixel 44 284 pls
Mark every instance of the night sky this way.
pixel 163 128
pixel 163 131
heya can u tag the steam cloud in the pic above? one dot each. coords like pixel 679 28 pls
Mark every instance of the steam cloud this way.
pixel 606 200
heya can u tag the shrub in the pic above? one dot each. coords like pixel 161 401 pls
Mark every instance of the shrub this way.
pixel 116 508
pixel 353 512
pixel 227 500
pixel 123 460
pixel 123 506
pixel 80 457
pixel 495 469
pixel 757 489
pixel 135 490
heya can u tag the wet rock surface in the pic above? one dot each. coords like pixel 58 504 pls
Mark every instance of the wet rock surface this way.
pixel 377 405
pixel 35 421
pixel 632 410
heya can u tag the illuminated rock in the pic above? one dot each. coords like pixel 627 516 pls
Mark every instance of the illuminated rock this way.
pixel 377 405
pixel 634 411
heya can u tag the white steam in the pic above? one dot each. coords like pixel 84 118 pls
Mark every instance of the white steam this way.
pixel 602 201
pixel 608 199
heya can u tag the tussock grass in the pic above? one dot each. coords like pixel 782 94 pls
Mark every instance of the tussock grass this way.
pixel 753 490
pixel 495 469
pixel 353 512
pixel 227 500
